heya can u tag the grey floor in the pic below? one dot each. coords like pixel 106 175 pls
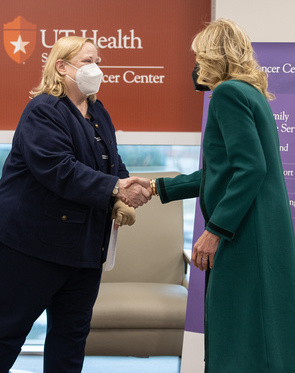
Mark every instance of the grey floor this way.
pixel 101 364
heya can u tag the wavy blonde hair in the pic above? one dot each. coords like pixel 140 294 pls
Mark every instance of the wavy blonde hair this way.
pixel 52 82
pixel 224 52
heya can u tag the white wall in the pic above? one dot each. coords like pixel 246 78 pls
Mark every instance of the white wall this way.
pixel 263 20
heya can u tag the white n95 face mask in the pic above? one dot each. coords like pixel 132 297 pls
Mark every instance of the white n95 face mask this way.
pixel 88 78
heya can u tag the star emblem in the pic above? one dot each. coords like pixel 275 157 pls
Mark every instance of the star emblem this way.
pixel 19 45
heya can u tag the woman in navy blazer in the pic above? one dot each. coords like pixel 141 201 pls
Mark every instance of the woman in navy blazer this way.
pixel 61 186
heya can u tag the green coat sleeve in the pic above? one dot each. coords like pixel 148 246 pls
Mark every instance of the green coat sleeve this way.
pixel 179 187
pixel 245 155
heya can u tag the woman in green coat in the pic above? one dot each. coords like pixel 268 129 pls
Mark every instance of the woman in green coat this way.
pixel 248 240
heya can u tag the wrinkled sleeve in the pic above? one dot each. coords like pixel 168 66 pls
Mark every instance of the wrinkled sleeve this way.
pixel 180 187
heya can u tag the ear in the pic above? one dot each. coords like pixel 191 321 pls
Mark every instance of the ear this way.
pixel 60 66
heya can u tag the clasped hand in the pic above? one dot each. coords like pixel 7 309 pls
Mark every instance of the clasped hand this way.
pixel 134 191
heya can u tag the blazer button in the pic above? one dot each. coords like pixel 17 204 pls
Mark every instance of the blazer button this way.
pixel 64 218
pixel 111 142
pixel 112 165
pixel 96 125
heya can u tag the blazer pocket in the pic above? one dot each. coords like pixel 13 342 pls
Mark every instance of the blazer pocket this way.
pixel 62 226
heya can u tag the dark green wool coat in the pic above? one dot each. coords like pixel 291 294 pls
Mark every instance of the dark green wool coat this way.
pixel 250 299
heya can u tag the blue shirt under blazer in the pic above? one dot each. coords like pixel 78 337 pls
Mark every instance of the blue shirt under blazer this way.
pixel 55 201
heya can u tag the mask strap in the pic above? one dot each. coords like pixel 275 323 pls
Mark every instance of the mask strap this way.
pixel 73 80
pixel 71 65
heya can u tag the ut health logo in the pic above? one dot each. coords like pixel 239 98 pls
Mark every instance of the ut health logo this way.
pixel 19 39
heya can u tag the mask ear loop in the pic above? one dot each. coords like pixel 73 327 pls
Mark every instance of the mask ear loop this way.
pixel 71 65
pixel 73 80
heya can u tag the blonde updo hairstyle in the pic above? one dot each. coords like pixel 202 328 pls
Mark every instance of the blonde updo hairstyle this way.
pixel 224 52
pixel 52 83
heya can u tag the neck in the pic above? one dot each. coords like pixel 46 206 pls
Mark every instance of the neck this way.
pixel 81 104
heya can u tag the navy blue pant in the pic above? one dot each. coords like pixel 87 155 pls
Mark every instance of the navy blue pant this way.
pixel 28 286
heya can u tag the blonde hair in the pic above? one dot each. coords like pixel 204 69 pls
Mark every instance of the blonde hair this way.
pixel 52 82
pixel 224 52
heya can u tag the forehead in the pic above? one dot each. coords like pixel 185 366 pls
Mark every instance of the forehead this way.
pixel 88 49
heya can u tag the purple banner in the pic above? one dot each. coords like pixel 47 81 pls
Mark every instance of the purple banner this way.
pixel 278 60
pixel 283 109
pixel 195 302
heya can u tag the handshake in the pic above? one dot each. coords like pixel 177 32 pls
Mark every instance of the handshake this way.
pixel 133 192
pixel 136 191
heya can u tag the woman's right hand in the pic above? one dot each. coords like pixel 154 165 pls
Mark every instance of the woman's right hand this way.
pixel 133 193
pixel 138 180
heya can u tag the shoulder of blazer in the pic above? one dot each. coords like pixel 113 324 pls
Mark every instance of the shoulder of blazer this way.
pixel 232 87
pixel 100 103
pixel 41 100
pixel 46 99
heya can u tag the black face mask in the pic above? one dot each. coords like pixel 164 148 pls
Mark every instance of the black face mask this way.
pixel 195 75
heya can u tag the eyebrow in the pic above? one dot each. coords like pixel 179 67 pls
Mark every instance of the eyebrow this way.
pixel 90 57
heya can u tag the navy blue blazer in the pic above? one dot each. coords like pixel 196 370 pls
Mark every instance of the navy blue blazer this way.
pixel 55 201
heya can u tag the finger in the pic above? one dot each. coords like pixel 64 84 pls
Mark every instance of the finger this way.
pixel 195 263
pixel 194 256
pixel 146 194
pixel 131 203
pixel 131 222
pixel 138 203
pixel 144 182
pixel 144 198
pixel 211 261
pixel 205 262
pixel 118 219
pixel 128 182
pixel 124 220
pixel 199 262
pixel 126 201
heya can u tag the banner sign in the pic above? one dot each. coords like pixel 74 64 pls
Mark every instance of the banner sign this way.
pixel 278 60
pixel 195 302
pixel 145 47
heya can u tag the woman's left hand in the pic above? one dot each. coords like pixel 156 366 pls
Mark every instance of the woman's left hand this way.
pixel 204 250
pixel 123 214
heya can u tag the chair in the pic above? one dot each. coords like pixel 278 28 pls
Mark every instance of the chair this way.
pixel 141 306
